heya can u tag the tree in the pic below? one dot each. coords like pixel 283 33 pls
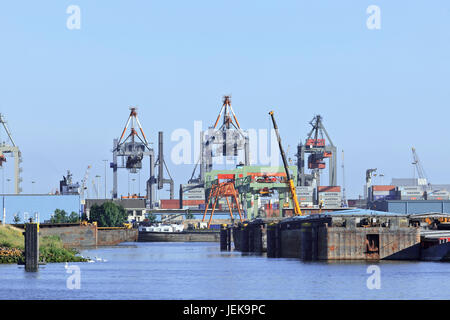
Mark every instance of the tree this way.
pixel 108 214
pixel 151 218
pixel 60 216
pixel 16 218
pixel 189 216
pixel 74 217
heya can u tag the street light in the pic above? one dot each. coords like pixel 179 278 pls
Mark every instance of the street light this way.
pixel 32 186
pixel 132 186
pixel 7 185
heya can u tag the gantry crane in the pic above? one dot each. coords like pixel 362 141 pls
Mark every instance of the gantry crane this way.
pixel 290 181
pixel 224 140
pixel 133 148
pixel 319 149
pixel 14 150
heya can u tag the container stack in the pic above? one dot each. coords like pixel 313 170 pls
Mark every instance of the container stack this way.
pixel 330 196
pixel 383 193
pixel 193 198
pixel 305 195
pixel 438 195
pixel 411 193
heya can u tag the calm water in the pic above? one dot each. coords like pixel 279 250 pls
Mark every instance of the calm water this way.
pixel 201 271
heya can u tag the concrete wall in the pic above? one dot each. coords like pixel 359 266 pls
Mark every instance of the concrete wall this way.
pixel 290 243
pixel 76 236
pixel 350 244
pixel 116 236
pixel 88 236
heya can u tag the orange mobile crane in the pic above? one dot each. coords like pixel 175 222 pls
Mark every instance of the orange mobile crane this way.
pixel 290 181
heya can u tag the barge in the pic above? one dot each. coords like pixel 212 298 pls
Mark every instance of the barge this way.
pixel 176 233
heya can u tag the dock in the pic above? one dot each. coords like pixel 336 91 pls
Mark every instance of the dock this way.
pixel 363 235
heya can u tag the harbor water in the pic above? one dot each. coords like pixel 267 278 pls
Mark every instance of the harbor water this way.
pixel 202 271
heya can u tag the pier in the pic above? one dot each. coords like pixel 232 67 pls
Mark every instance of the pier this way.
pixel 346 235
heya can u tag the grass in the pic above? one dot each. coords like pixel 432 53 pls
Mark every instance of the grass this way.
pixel 50 247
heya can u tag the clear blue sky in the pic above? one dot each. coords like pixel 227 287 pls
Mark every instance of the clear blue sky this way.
pixel 66 93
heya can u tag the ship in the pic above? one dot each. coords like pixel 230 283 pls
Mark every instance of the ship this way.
pixel 163 232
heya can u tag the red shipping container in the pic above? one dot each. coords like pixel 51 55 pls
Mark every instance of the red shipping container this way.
pixel 383 188
pixel 193 202
pixel 169 204
pixel 329 189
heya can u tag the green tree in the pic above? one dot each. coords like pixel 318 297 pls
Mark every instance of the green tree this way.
pixel 74 217
pixel 189 216
pixel 59 216
pixel 16 218
pixel 108 214
pixel 151 218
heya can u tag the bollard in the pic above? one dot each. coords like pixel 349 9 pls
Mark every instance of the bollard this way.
pixel 271 241
pixel 229 238
pixel 223 237
pixel 257 239
pixel 244 238
pixel 251 238
pixel 277 236
pixel 31 247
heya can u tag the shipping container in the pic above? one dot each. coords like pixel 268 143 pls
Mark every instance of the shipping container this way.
pixel 169 204
pixel 383 188
pixel 329 189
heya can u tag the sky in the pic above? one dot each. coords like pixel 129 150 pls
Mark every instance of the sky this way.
pixel 65 93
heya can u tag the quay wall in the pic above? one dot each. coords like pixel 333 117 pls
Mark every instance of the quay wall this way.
pixel 89 236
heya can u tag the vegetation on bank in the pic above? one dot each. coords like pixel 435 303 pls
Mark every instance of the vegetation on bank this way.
pixel 61 216
pixel 108 214
pixel 50 248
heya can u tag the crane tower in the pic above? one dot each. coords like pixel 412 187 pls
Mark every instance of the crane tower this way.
pixel 11 148
pixel 318 149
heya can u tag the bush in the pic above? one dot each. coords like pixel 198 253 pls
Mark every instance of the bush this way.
pixel 108 214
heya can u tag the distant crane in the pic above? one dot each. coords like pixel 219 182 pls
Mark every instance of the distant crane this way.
pixel 95 188
pixel 422 177
pixel 369 175
pixel 344 196
pixel 84 183
pixel 11 148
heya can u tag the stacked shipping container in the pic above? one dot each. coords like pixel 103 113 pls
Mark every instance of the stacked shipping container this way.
pixel 305 195
pixel 330 196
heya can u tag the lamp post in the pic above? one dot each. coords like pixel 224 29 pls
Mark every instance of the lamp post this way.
pixel 32 186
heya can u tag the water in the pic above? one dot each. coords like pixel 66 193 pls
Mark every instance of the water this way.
pixel 201 271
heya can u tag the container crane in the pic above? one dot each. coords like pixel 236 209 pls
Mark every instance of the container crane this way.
pixel 84 183
pixel 422 177
pixel 319 149
pixel 290 181
pixel 14 150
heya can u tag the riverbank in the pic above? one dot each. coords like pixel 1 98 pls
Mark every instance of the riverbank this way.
pixel 51 248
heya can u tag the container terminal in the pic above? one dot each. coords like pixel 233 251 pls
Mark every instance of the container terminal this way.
pixel 290 210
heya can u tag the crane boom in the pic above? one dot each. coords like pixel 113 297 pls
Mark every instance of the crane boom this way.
pixel 416 162
pixel 286 168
